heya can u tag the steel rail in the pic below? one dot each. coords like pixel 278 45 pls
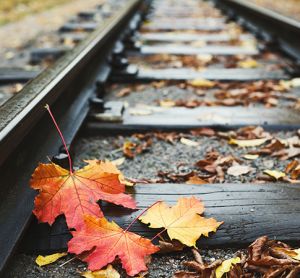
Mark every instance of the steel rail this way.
pixel 26 133
pixel 279 28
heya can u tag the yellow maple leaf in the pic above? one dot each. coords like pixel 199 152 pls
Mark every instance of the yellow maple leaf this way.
pixel 45 260
pixel 226 266
pixel 109 272
pixel 182 221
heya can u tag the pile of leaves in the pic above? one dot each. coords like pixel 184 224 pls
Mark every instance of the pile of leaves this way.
pixel 269 93
pixel 249 144
pixel 75 194
pixel 264 258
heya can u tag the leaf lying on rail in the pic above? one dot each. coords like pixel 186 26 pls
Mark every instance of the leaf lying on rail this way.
pixel 109 241
pixel 76 194
pixel 182 221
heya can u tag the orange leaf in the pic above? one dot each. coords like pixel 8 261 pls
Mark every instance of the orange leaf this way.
pixel 181 221
pixel 109 241
pixel 76 194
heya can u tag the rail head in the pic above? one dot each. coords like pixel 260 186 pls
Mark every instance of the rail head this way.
pixel 22 112
pixel 285 30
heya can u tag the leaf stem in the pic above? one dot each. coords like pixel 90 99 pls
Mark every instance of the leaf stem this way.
pixel 158 234
pixel 61 136
pixel 135 219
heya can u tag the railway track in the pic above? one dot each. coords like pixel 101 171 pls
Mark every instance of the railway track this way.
pixel 171 88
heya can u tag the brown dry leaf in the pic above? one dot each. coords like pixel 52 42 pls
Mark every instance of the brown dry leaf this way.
pixel 204 131
pixel 291 166
pixel 131 149
pixel 158 84
pixel 268 258
pixel 170 246
pixel 196 180
pixel 238 170
pixel 287 153
pixel 200 269
pixel 124 92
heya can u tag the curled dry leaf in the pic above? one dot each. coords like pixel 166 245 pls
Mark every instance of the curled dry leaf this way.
pixel 108 272
pixel 182 221
pixel 45 260
pixel 110 241
pixel 248 143
pixel 131 149
pixel 238 170
pixel 189 142
pixel 170 246
pixel 251 156
pixel 75 194
pixel 200 269
pixel 201 83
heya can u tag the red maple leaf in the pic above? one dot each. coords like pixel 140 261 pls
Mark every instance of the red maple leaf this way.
pixel 109 241
pixel 76 193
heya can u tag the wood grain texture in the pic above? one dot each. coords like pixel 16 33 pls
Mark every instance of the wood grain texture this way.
pixel 248 211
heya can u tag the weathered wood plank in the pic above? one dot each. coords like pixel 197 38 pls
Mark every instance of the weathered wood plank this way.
pixel 188 37
pixel 248 211
pixel 191 50
pixel 182 118
pixel 234 74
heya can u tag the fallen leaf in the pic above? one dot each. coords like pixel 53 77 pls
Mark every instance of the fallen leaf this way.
pixel 297 255
pixel 45 260
pixel 75 194
pixel 201 269
pixel 201 83
pixel 182 221
pixel 204 131
pixel 226 266
pixel 124 92
pixel 170 246
pixel 196 180
pixel 109 272
pixel 275 174
pixel 251 156
pixel 167 103
pixel 189 142
pixel 238 170
pixel 110 241
pixel 248 64
pixel 119 161
pixel 248 143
